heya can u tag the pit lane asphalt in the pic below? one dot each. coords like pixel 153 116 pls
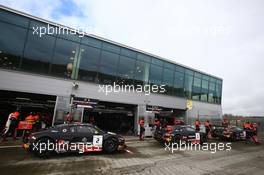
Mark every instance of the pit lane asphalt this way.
pixel 145 157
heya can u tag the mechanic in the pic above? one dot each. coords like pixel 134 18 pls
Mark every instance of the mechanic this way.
pixel 207 127
pixel 255 133
pixel 249 131
pixel 225 123
pixel 11 125
pixel 197 125
pixel 141 129
pixel 68 118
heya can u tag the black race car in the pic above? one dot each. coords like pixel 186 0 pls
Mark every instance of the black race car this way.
pixel 184 133
pixel 217 131
pixel 233 133
pixel 73 138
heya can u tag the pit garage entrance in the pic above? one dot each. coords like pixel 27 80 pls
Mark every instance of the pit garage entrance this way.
pixel 115 117
pixel 25 103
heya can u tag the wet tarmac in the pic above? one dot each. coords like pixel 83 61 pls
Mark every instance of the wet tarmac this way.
pixel 146 157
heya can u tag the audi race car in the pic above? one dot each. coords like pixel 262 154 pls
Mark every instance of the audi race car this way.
pixel 73 138
pixel 234 133
pixel 184 133
pixel 231 133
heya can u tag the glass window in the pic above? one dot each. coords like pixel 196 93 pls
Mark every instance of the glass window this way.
pixel 129 53
pixel 145 58
pixel 12 41
pixel 91 42
pixel 108 67
pixel 111 47
pixel 197 75
pixel 38 53
pixel 157 62
pixel 196 89
pixel 69 35
pixel 168 80
pixel 88 66
pixel 107 75
pixel 155 76
pixel 65 58
pixel 178 84
pixel 169 65
pixel 126 70
pixel 188 83
pixel 204 90
pixel 109 59
pixel 142 73
pixel 206 77
pixel 13 18
pixel 189 72
pixel 212 94
pixel 180 69
pixel 218 93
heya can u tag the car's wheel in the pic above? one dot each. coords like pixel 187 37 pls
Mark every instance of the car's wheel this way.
pixel 177 138
pixel 110 145
pixel 42 150
pixel 233 138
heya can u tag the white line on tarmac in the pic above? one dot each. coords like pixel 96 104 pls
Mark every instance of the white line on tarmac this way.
pixel 13 146
pixel 130 152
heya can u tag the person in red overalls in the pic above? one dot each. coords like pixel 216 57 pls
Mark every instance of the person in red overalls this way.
pixel 141 129
pixel 207 128
pixel 11 125
pixel 68 118
pixel 197 124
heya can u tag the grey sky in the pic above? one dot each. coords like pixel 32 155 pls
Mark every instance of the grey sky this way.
pixel 222 37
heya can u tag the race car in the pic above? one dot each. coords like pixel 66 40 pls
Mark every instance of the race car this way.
pixel 233 133
pixel 73 138
pixel 184 133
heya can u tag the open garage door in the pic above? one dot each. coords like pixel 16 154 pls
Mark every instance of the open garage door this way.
pixel 25 103
pixel 113 117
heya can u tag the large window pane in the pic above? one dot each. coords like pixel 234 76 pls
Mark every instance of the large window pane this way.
pixel 204 90
pixel 188 82
pixel 12 40
pixel 65 58
pixel 129 53
pixel 178 84
pixel 13 18
pixel 109 59
pixel 91 42
pixel 108 67
pixel 168 81
pixel 157 61
pixel 145 58
pixel 38 53
pixel 126 70
pixel 142 73
pixel 212 93
pixel 88 66
pixel 196 90
pixel 155 75
pixel 107 75
pixel 169 65
pixel 111 47
pixel 218 93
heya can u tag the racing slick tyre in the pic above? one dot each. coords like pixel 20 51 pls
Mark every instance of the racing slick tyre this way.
pixel 233 138
pixel 43 152
pixel 177 138
pixel 110 145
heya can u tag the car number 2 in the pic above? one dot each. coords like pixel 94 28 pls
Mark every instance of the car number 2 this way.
pixel 197 136
pixel 97 140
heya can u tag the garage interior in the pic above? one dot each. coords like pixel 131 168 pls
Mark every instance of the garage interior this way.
pixel 25 103
pixel 114 117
